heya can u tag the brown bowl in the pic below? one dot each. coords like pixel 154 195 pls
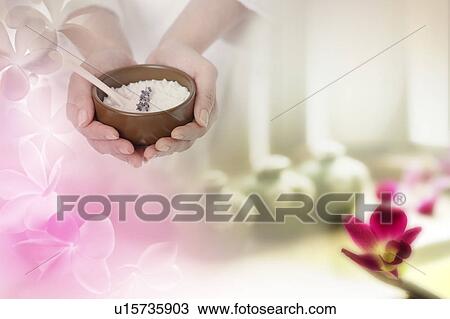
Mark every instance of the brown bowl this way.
pixel 144 129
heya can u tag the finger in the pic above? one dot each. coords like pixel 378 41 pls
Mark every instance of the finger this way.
pixel 150 152
pixel 164 144
pixel 175 146
pixel 134 159
pixel 119 146
pixel 119 149
pixel 169 146
pixel 80 107
pixel 185 146
pixel 181 147
pixel 205 79
pixel 99 131
pixel 214 114
pixel 188 132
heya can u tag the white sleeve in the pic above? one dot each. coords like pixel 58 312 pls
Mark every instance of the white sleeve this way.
pixel 112 5
pixel 261 7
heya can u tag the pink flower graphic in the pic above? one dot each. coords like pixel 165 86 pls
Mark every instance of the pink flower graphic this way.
pixel 31 196
pixel 28 57
pixel 154 270
pixel 385 242
pixel 66 246
pixel 43 123
pixel 48 124
pixel 63 18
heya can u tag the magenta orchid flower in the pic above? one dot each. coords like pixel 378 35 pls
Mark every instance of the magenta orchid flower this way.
pixel 30 195
pixel 385 242
pixel 154 270
pixel 27 58
pixel 426 206
pixel 386 187
pixel 64 246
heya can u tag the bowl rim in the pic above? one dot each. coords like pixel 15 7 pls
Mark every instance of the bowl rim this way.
pixel 144 114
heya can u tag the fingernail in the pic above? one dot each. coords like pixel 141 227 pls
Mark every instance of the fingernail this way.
pixel 178 136
pixel 133 163
pixel 112 136
pixel 163 147
pixel 204 118
pixel 82 118
pixel 125 150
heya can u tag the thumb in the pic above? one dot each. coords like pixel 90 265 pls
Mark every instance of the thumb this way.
pixel 80 108
pixel 206 94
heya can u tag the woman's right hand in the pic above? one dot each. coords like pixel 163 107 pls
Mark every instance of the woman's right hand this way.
pixel 80 109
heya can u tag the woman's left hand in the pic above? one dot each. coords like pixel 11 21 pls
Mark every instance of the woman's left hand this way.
pixel 204 73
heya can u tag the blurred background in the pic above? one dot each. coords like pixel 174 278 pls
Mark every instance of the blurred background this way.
pixel 386 124
pixel 388 121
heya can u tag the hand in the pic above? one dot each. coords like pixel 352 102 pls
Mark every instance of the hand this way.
pixel 180 56
pixel 80 110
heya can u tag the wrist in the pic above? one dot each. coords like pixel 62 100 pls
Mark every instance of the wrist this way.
pixel 172 41
pixel 108 59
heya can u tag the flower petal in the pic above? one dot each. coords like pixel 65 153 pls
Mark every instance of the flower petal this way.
pixel 426 206
pixel 96 239
pixel 361 234
pixel 164 279
pixel 396 252
pixel 23 40
pixel 388 222
pixel 441 184
pixel 388 187
pixel 13 213
pixel 19 16
pixel 84 39
pixel 20 124
pixel 42 208
pixel 58 266
pixel 157 257
pixel 53 149
pixel 40 104
pixel 14 84
pixel 6 48
pixel 93 274
pixel 39 250
pixel 55 176
pixel 66 230
pixel 395 273
pixel 411 234
pixel 14 184
pixel 75 11
pixel 55 7
pixel 368 261
pixel 59 122
pixel 40 62
pixel 4 61
pixel 33 163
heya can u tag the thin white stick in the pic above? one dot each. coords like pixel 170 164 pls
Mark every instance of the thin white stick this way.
pixel 74 65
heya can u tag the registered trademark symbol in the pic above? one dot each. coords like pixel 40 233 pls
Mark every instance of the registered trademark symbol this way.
pixel 399 198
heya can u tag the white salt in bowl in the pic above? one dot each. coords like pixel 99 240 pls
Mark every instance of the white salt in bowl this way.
pixel 144 128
